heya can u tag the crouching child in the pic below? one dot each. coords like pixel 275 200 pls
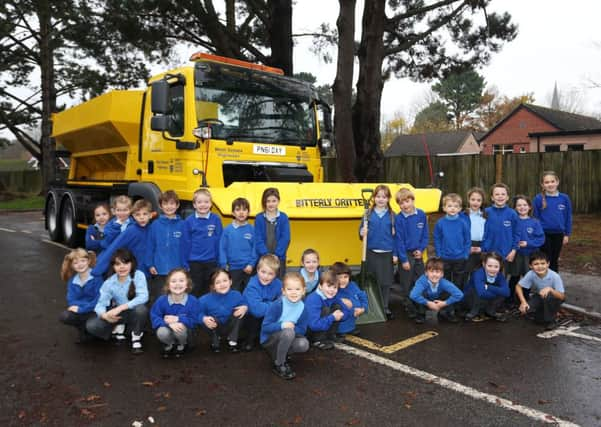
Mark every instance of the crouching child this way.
pixel 284 326
pixel 433 292
pixel 546 291
pixel 325 311
pixel 352 296
pixel 174 314
pixel 486 290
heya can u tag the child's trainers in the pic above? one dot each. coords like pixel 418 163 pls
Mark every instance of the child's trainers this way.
pixel 232 347
pixel 167 351
pixel 118 334
pixel 136 343
pixel 284 371
pixel 179 350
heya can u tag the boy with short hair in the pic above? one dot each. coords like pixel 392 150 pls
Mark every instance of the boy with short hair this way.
pixel 164 242
pixel 237 245
pixel 121 209
pixel 546 291
pixel 452 240
pixel 433 292
pixel 351 295
pixel 325 311
pixel 262 289
pixel 134 238
pixel 411 239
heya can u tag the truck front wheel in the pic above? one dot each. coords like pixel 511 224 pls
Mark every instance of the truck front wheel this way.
pixel 52 218
pixel 69 223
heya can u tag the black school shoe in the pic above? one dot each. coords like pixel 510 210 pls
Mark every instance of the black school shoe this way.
pixel 419 319
pixel 284 371
pixel 167 351
pixel 551 325
pixel 233 348
pixel 323 345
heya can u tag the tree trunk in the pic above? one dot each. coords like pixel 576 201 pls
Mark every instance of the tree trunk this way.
pixel 48 95
pixel 342 89
pixel 280 34
pixel 366 111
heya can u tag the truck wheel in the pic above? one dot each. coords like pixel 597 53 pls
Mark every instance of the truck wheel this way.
pixel 52 218
pixel 69 224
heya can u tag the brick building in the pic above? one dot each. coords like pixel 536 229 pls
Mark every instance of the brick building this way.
pixel 532 128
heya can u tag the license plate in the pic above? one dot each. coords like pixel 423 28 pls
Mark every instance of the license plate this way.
pixel 273 150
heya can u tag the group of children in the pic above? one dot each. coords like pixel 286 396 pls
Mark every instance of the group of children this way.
pixel 476 249
pixel 232 283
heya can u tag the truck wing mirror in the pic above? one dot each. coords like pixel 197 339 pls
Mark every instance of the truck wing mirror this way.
pixel 160 123
pixel 160 97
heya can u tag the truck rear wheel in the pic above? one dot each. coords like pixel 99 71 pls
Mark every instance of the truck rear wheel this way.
pixel 52 218
pixel 69 223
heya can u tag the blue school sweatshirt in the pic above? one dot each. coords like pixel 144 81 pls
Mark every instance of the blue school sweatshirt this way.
pixel 452 239
pixel 484 288
pixel 359 300
pixel 200 239
pixel 237 247
pixel 93 244
pixel 530 231
pixel 113 229
pixel 500 230
pixel 134 238
pixel 380 232
pixel 423 291
pixel 164 244
pixel 219 306
pixel 282 235
pixel 187 311
pixel 272 322
pixel 411 233
pixel 84 295
pixel 557 216
pixel 314 304
pixel 259 296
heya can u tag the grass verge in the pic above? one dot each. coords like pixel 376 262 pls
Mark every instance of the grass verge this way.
pixel 33 202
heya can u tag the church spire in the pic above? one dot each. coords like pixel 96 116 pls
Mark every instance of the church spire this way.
pixel 555 100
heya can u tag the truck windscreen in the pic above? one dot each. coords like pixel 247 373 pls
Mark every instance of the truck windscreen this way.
pixel 248 105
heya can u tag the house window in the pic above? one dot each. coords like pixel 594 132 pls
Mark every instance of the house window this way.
pixel 522 149
pixel 551 148
pixel 502 148
pixel 576 147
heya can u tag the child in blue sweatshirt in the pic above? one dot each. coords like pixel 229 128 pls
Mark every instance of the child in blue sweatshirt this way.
pixel 82 290
pixel 175 314
pixel 501 227
pixel 433 292
pixel 452 240
pixel 200 242
pixel 121 304
pixel 486 289
pixel 351 295
pixel 95 232
pixel 121 207
pixel 381 249
pixel 262 290
pixel 531 238
pixel 310 269
pixel 134 238
pixel 237 245
pixel 164 242
pixel 284 326
pixel 272 229
pixel 554 210
pixel 325 311
pixel 221 311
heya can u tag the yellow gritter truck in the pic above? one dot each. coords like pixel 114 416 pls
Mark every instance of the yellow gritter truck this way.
pixel 232 126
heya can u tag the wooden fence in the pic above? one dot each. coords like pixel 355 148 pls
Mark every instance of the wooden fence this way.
pixel 579 172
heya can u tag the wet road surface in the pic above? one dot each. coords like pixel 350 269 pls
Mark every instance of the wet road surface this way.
pixel 462 375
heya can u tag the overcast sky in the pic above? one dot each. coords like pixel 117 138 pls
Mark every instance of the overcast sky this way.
pixel 557 41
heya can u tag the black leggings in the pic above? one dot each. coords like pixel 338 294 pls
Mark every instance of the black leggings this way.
pixel 552 247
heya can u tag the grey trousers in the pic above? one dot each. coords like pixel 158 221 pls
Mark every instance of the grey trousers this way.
pixel 168 336
pixel 283 343
pixel 135 319
pixel 380 264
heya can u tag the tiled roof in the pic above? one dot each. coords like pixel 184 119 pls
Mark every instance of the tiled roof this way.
pixel 437 142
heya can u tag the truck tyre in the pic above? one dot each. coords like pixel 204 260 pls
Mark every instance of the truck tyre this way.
pixel 53 223
pixel 69 223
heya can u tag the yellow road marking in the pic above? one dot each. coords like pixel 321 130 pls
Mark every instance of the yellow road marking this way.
pixel 388 349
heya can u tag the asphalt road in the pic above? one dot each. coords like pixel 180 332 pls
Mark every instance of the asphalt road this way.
pixel 485 374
